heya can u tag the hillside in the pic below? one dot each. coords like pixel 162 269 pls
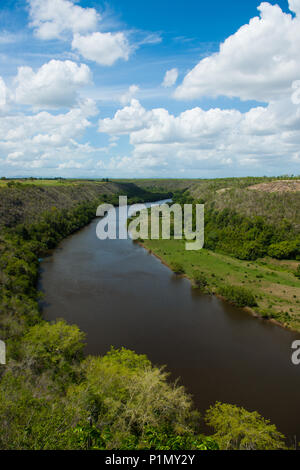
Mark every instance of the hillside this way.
pixel 274 199
pixel 281 186
pixel 23 202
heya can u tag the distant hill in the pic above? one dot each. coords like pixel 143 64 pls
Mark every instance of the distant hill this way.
pixel 281 186
pixel 24 202
pixel 274 199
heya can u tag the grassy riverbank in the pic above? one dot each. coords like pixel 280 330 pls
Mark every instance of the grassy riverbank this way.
pixel 273 283
pixel 252 243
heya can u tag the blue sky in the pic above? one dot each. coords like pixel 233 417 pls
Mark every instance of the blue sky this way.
pixel 158 89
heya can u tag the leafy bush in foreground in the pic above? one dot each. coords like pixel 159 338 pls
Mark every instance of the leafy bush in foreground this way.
pixel 133 405
pixel 118 401
pixel 240 296
pixel 238 429
pixel 154 439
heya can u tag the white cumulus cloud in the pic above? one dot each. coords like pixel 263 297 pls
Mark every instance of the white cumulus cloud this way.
pixel 45 140
pixel 54 85
pixel 51 18
pixel 126 120
pixel 207 140
pixel 170 78
pixel 103 48
pixel 258 62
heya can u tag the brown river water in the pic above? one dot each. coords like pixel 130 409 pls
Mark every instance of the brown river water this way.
pixel 121 295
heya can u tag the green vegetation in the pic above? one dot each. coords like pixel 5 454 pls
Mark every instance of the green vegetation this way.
pixel 52 399
pixel 238 429
pixel 251 246
pixel 238 295
pixel 200 281
pixel 51 396
pixel 177 268
pixel 249 238
pixel 20 250
pixel 25 202
pixel 22 244
pixel 234 194
pixel 272 282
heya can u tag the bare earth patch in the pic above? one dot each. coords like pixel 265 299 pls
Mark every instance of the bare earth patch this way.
pixel 281 186
pixel 223 190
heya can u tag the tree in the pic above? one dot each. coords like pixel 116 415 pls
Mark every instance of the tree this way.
pixel 251 250
pixel 54 347
pixel 285 250
pixel 238 429
pixel 34 417
pixel 132 404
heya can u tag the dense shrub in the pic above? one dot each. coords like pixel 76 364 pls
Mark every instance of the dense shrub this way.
pixel 177 267
pixel 199 280
pixel 238 429
pixel 251 250
pixel 249 238
pixel 118 401
pixel 240 296
pixel 285 250
pixel 125 395
pixel 52 346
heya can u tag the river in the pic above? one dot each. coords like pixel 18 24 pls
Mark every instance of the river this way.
pixel 121 295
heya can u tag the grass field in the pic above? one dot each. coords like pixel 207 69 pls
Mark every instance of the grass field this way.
pixel 273 283
pixel 50 182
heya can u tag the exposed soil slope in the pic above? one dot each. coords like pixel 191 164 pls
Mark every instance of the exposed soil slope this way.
pixel 282 186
